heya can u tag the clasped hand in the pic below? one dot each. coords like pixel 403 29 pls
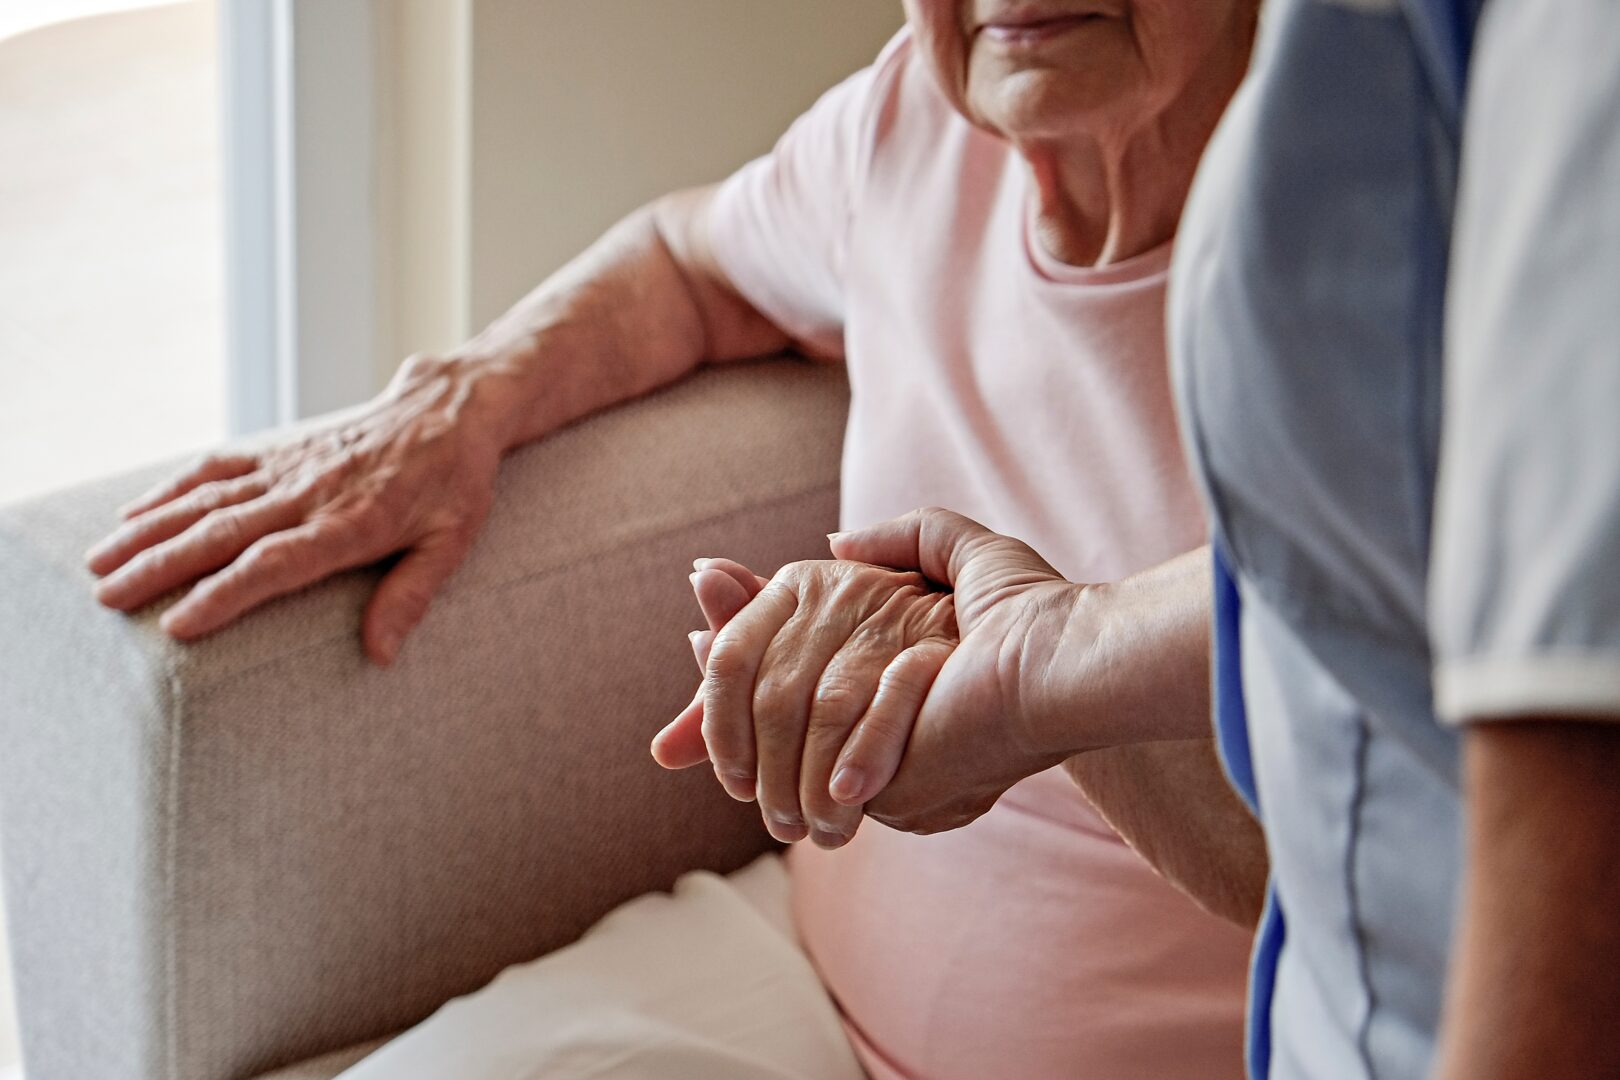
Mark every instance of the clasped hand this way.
pixel 890 682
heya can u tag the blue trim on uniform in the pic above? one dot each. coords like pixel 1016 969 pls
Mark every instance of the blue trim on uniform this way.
pixel 1231 717
pixel 1232 739
pixel 1444 33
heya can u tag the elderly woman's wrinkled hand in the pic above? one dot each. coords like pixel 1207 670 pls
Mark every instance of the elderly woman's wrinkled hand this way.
pixel 968 712
pixel 413 472
pixel 809 691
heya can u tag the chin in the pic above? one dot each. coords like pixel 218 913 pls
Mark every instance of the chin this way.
pixel 1042 104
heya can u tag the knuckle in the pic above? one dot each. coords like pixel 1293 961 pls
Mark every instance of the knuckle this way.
pixel 422 365
pixel 880 735
pixel 780 700
pixel 330 539
pixel 223 529
pixel 888 730
pixel 770 690
pixel 872 642
pixel 202 498
pixel 724 687
pixel 724 743
pixel 265 559
pixel 901 678
pixel 728 666
pixel 150 563
pixel 837 693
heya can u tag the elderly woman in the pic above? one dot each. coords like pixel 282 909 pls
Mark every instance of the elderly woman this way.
pixel 979 226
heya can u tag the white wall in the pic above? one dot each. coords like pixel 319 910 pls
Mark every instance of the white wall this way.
pixel 562 115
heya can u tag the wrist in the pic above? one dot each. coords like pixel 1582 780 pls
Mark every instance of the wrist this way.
pixel 1128 663
pixel 1060 698
pixel 511 382
pixel 486 396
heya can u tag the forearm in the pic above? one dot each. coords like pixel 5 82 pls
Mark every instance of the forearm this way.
pixel 1172 803
pixel 1123 693
pixel 1535 975
pixel 1131 664
pixel 640 308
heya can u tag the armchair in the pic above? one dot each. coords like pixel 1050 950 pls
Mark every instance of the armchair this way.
pixel 261 853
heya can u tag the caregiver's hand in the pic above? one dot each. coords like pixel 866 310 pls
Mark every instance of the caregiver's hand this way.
pixel 414 471
pixel 987 721
pixel 812 687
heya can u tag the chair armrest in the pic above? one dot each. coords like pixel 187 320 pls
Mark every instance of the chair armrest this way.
pixel 226 857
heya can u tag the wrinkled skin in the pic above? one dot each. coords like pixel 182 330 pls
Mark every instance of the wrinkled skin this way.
pixel 414 471
pixel 967 716
pixel 809 691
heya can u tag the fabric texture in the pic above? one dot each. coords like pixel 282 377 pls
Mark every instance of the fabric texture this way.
pixel 992 379
pixel 706 983
pixel 1526 608
pixel 225 858
pixel 327 1066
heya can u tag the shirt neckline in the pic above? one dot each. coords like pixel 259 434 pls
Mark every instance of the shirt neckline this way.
pixel 1141 267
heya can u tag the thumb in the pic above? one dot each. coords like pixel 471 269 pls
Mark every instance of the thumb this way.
pixel 943 546
pixel 403 597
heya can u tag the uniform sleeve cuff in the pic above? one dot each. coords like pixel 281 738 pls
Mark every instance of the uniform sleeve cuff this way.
pixel 1487 688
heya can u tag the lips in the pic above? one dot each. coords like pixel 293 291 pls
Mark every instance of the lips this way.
pixel 1033 25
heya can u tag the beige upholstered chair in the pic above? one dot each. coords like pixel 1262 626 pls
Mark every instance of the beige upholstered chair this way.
pixel 259 853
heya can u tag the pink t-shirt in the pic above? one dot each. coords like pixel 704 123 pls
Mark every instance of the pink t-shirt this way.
pixel 989 378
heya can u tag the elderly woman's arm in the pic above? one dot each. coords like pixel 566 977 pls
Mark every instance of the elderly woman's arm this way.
pixel 1170 799
pixel 413 471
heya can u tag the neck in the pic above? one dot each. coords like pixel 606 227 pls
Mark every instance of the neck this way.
pixel 1107 197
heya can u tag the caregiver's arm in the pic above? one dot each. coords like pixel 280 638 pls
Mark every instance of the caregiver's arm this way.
pixel 413 470
pixel 1535 979
pixel 1170 800
pixel 1524 596
pixel 1113 679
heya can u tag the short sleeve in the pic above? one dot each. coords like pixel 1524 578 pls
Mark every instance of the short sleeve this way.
pixel 780 225
pixel 1525 572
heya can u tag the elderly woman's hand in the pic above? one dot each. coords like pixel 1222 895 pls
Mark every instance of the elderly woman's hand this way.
pixel 812 686
pixel 413 472
pixel 964 718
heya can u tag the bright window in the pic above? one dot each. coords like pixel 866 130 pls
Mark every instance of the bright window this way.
pixel 111 311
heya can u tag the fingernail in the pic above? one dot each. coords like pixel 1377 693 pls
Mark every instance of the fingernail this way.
pixel 389 646
pixel 836 536
pixel 739 786
pixel 700 564
pixel 847 784
pixel 787 828
pixel 693 579
pixel 826 838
